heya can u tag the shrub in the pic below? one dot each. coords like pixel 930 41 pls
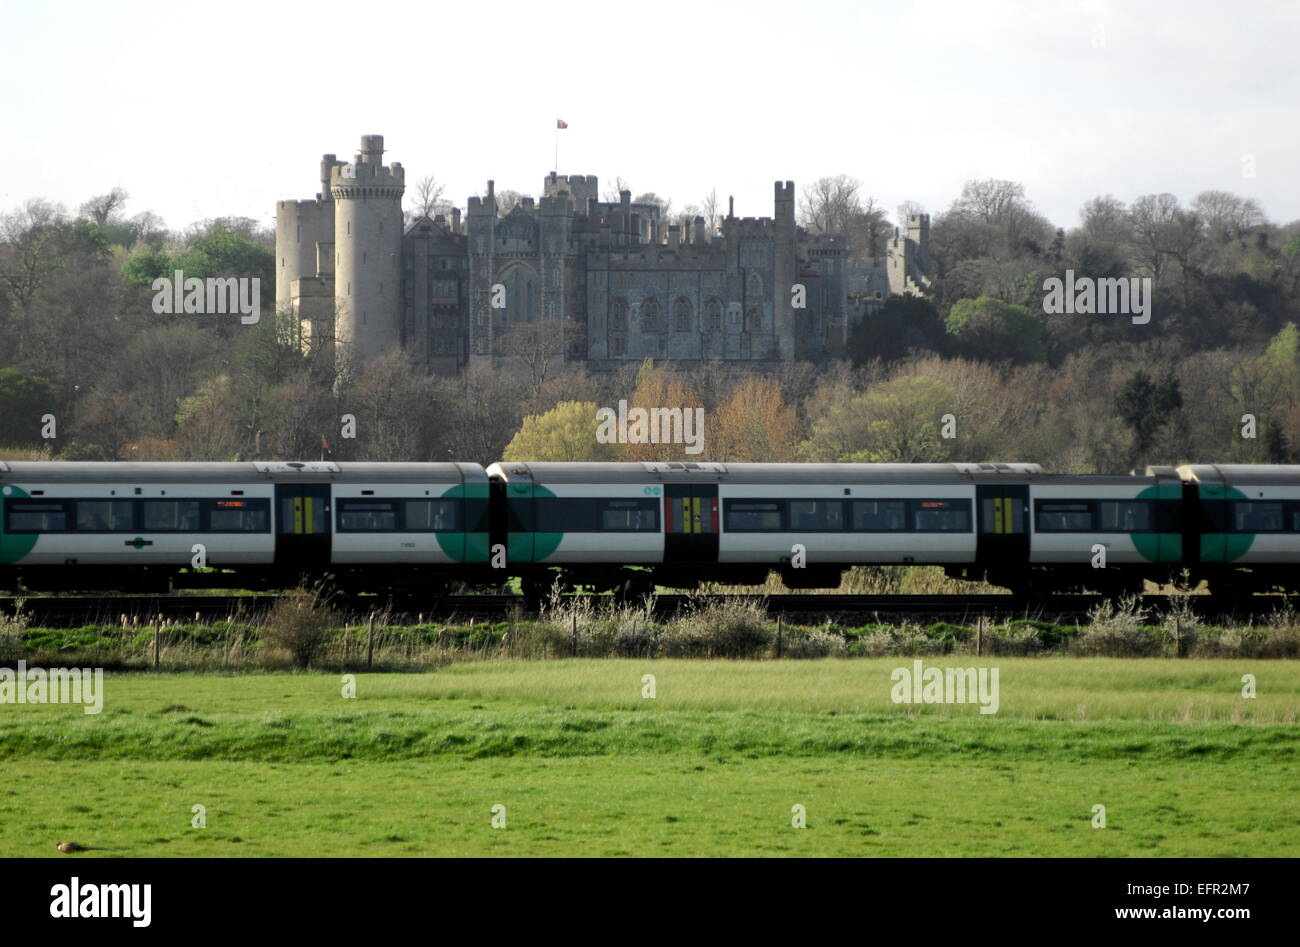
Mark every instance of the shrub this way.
pixel 725 629
pixel 300 624
pixel 812 643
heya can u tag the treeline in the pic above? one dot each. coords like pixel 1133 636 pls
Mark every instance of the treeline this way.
pixel 978 372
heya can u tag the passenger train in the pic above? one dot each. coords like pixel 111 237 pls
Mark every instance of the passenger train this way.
pixel 419 527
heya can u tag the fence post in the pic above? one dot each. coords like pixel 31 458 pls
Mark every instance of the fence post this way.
pixel 979 636
pixel 155 643
pixel 574 639
pixel 779 616
pixel 370 642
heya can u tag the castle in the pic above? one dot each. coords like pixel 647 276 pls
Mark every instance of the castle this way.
pixel 619 282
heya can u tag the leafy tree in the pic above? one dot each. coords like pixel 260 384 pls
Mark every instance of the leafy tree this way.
pixel 1145 405
pixel 902 323
pixel 23 400
pixel 567 432
pixel 754 425
pixel 992 329
pixel 656 388
pixel 896 421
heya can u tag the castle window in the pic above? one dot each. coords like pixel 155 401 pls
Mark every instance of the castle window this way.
pixel 713 315
pixel 617 345
pixel 618 316
pixel 682 314
pixel 650 316
pixel 754 321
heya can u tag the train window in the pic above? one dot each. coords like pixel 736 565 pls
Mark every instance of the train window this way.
pixel 1125 516
pixel 816 515
pixel 367 516
pixel 1064 517
pixel 1257 517
pixel 753 516
pixel 430 515
pixel 27 516
pixel 941 516
pixel 880 516
pixel 105 516
pixel 171 516
pixel 596 514
pixel 239 516
pixel 629 515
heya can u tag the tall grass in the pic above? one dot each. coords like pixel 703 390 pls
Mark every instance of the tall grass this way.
pixel 305 632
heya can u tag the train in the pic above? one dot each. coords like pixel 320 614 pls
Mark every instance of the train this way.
pixel 419 528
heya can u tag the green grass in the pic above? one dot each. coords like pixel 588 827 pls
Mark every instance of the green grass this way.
pixel 711 766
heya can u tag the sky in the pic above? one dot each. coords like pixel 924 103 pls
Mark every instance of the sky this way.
pixel 208 110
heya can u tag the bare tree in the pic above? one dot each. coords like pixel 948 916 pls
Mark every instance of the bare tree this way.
pixel 1227 216
pixel 105 207
pixel 508 201
pixel 908 209
pixel 830 204
pixel 427 197
pixel 711 211
pixel 612 191
pixel 539 346
pixel 1106 219
pixel 30 249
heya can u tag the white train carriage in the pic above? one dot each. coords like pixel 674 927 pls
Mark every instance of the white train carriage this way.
pixel 694 522
pixel 149 526
pixel 1247 534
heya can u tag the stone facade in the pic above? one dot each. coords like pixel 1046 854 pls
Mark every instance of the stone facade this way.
pixel 621 283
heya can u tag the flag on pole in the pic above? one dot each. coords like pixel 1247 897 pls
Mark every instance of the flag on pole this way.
pixel 561 123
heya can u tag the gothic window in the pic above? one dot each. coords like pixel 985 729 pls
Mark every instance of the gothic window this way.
pixel 755 288
pixel 682 315
pixel 617 345
pixel 650 316
pixel 713 315
pixel 754 321
pixel 618 316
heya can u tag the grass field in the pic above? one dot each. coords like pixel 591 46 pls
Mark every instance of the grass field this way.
pixel 585 765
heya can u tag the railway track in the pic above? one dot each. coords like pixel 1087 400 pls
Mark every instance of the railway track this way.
pixel 71 611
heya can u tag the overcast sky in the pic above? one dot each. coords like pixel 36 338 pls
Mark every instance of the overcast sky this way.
pixel 218 109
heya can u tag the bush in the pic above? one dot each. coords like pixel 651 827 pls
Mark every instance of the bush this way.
pixel 812 643
pixel 726 629
pixel 300 624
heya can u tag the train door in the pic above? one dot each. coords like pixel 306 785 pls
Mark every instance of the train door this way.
pixel 1003 538
pixel 303 526
pixel 690 523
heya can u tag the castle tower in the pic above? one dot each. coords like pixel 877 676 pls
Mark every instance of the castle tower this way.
pixel 480 227
pixel 368 253
pixel 299 227
pixel 784 269
pixel 918 230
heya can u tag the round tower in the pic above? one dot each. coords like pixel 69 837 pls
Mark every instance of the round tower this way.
pixel 368 253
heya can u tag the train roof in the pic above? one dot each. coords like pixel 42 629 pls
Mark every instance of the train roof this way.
pixel 712 472
pixel 1282 474
pixel 53 471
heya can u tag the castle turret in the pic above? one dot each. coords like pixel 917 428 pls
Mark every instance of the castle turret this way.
pixel 368 248
pixel 299 227
pixel 784 273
